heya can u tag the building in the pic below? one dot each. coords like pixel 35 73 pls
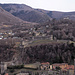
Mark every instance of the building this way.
pixel 45 66
pixel 51 37
pixel 3 67
pixel 71 72
pixel 1 37
pixel 6 74
pixel 70 67
pixel 51 67
pixel 22 74
pixel 62 65
pixel 33 66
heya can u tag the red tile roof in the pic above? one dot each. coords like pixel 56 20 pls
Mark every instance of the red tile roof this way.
pixel 59 64
pixel 6 74
pixel 70 67
pixel 45 63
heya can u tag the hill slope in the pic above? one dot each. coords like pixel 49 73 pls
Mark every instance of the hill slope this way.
pixel 8 18
pixel 58 15
pixel 26 13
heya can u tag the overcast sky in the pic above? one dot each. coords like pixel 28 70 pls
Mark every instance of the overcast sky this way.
pixel 55 5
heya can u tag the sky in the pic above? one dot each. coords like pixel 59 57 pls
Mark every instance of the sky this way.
pixel 52 5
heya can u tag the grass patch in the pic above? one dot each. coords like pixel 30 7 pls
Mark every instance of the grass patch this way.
pixel 47 41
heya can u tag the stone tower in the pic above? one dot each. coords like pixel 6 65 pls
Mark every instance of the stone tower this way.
pixel 3 67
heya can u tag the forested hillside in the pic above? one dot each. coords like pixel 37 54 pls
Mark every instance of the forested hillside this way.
pixel 53 53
